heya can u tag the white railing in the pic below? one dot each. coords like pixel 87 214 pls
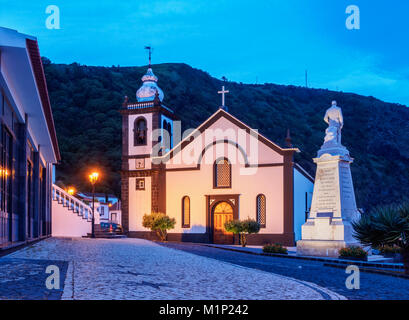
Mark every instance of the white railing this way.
pixel 72 203
pixel 142 105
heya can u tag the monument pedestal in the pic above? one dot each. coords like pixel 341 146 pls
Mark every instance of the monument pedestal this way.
pixel 333 208
pixel 322 248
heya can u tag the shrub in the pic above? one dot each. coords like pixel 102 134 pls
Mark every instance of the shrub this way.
pixel 242 228
pixel 274 248
pixel 234 226
pixel 160 223
pixel 353 252
pixel 389 250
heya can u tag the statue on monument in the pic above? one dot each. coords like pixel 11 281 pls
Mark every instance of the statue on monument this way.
pixel 333 207
pixel 332 141
pixel 333 117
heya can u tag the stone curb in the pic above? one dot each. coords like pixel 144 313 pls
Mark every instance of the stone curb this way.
pixel 335 261
pixel 383 272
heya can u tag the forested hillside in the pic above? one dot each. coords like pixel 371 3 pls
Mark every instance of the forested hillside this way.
pixel 86 100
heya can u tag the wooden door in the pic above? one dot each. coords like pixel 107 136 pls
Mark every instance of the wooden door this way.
pixel 222 213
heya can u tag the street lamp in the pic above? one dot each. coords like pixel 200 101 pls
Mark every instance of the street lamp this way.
pixel 93 178
pixel 71 191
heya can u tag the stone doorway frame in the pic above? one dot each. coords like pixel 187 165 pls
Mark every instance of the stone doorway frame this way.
pixel 211 202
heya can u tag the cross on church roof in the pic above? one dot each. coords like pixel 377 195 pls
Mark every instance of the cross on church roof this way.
pixel 223 92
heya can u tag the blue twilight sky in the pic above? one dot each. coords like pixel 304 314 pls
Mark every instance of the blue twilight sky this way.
pixel 248 41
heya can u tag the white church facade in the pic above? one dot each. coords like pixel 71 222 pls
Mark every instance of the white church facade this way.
pixel 220 171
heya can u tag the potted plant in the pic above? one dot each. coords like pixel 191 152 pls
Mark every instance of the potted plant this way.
pixel 353 253
pixel 242 228
pixel 274 248
pixel 159 223
pixel 388 225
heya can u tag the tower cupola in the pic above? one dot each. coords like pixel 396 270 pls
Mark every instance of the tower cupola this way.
pixel 149 87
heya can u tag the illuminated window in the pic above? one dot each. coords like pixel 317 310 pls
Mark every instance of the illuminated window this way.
pixel 222 173
pixel 140 132
pixel 261 210
pixel 186 212
pixel 6 171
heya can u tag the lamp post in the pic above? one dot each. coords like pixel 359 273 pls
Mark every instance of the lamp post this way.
pixel 93 178
pixel 71 191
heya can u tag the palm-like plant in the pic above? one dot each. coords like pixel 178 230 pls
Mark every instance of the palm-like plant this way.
pixel 388 225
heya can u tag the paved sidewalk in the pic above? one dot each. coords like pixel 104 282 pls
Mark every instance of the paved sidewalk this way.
pixel 140 269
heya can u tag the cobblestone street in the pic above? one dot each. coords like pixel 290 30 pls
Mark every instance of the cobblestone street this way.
pixel 372 286
pixel 139 269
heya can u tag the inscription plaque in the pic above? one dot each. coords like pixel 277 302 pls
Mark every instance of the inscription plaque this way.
pixel 326 189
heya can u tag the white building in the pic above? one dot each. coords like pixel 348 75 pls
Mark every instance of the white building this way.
pixel 28 143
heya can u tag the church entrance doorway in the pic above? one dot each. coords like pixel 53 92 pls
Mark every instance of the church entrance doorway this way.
pixel 222 213
pixel 220 209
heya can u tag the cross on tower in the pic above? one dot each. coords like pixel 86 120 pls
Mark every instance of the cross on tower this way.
pixel 223 92
pixel 150 54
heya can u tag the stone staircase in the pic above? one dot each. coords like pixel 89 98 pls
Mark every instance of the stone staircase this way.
pixel 104 233
pixel 70 216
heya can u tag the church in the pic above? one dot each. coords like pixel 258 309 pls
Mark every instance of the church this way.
pixel 219 171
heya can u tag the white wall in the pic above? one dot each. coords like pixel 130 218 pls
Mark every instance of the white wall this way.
pixel 197 184
pixel 139 204
pixel 302 185
pixel 66 223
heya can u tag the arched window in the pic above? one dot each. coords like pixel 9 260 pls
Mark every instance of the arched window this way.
pixel 140 132
pixel 222 173
pixel 161 138
pixel 164 125
pixel 185 212
pixel 261 210
pixel 167 140
pixel 170 135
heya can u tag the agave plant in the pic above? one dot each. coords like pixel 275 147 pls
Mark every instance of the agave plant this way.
pixel 388 225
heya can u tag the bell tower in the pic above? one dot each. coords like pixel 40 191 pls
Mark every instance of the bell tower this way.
pixel 147 131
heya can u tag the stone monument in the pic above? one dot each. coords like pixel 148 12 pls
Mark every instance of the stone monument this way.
pixel 333 208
